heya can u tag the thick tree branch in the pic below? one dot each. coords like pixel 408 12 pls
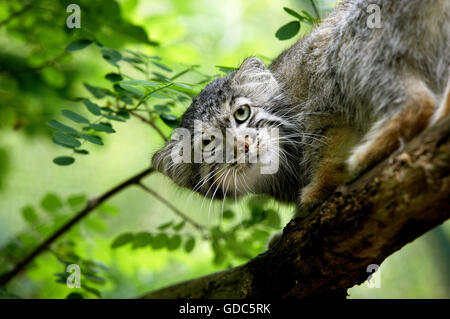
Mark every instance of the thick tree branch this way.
pixel 360 224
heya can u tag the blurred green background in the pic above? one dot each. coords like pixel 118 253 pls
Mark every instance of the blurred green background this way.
pixel 39 78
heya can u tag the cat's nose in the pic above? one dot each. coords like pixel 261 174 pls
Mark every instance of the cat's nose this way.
pixel 241 145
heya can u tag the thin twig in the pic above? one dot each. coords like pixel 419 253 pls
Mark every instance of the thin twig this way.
pixel 313 2
pixel 91 205
pixel 142 100
pixel 143 119
pixel 173 208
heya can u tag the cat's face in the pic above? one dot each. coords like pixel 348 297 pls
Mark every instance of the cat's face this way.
pixel 228 143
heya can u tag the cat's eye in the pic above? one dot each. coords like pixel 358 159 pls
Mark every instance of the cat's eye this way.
pixel 242 113
pixel 208 142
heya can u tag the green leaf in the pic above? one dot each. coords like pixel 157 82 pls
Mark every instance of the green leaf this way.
pixel 132 89
pixel 189 245
pixel 179 226
pixel 181 92
pixel 108 209
pixel 61 144
pixel 170 120
pixel 161 108
pixel 95 265
pixel 228 214
pixel 174 242
pixel 225 69
pixel 142 239
pixel 308 16
pixel 96 224
pixel 113 77
pixel 61 127
pixel 91 138
pixel 159 241
pixel 132 60
pixel 112 56
pixel 78 45
pixel 122 239
pixel 29 214
pixel 94 278
pixel 183 85
pixel 75 295
pixel 75 117
pixel 293 13
pixel 123 113
pixel 288 30
pixel 114 118
pixel 82 152
pixel 92 107
pixel 51 203
pixel 165 225
pixel 103 128
pixel 76 200
pixel 95 91
pixel 66 139
pixel 137 33
pixel 219 255
pixel 162 66
pixel 63 160
pixel 141 83
pixel 160 76
pixel 127 100
pixel 61 278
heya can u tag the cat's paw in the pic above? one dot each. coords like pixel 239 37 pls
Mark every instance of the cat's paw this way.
pixel 312 195
pixel 360 160
pixel 357 162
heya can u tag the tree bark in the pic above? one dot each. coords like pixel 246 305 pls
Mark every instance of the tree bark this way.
pixel 360 224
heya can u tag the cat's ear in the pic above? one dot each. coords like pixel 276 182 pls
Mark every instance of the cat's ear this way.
pixel 254 78
pixel 250 68
pixel 180 172
pixel 252 63
pixel 162 160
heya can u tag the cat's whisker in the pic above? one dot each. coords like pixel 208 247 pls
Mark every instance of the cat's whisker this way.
pixel 214 194
pixel 206 195
pixel 205 179
pixel 247 189
pixel 225 193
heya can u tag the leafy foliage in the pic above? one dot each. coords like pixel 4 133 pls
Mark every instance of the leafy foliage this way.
pixel 233 242
pixel 36 69
pixel 292 28
pixel 126 96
